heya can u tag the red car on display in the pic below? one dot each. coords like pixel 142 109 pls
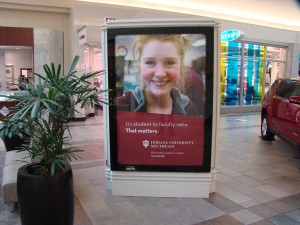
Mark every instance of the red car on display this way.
pixel 280 114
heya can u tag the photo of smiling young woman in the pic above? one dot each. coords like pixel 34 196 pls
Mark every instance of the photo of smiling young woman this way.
pixel 158 118
pixel 160 62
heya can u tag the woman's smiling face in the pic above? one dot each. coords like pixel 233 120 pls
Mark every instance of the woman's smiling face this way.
pixel 160 67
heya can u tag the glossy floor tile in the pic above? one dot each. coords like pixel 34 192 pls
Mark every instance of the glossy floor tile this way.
pixel 258 183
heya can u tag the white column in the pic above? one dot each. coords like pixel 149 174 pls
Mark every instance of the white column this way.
pixel 2 71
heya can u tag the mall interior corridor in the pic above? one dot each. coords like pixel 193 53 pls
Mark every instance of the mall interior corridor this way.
pixel 258 183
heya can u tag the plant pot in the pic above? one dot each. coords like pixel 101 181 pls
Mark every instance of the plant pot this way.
pixel 13 143
pixel 45 200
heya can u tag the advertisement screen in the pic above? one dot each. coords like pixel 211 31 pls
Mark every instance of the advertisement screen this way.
pixel 162 86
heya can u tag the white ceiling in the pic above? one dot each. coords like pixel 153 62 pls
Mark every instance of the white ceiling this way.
pixel 283 14
pixel 273 13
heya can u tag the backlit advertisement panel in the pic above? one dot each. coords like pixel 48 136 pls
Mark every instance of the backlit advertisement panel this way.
pixel 162 86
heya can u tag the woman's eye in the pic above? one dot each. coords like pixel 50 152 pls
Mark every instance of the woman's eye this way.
pixel 170 63
pixel 150 63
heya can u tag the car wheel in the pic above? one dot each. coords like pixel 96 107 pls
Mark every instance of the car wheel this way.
pixel 264 128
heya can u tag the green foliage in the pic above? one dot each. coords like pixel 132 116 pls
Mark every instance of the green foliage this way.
pixel 13 127
pixel 47 107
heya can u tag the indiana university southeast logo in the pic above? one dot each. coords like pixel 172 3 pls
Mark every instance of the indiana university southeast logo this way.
pixel 145 143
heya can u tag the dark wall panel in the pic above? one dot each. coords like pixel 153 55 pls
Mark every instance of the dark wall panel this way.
pixel 16 36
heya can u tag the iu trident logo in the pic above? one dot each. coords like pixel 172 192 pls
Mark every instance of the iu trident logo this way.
pixel 146 143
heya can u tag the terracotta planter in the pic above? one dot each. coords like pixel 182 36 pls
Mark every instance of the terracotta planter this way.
pixel 45 200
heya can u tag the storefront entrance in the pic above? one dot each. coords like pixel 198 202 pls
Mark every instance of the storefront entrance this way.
pixel 247 71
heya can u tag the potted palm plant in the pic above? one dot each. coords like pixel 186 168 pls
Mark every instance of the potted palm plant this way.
pixel 14 133
pixel 45 186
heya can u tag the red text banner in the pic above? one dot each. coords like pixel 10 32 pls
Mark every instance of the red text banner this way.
pixel 156 139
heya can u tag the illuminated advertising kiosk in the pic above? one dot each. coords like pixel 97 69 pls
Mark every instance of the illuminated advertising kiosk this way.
pixel 160 130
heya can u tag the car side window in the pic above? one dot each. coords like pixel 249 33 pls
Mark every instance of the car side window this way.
pixel 272 86
pixel 296 91
pixel 285 89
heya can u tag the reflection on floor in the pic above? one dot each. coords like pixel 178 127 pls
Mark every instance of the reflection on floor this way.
pixel 258 183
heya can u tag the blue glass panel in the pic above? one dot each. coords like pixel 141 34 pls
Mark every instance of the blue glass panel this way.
pixel 253 72
pixel 230 91
pixel 233 49
pixel 254 51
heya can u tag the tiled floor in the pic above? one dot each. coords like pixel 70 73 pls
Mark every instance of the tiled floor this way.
pixel 258 183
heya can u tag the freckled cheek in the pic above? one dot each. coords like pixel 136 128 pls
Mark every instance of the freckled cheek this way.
pixel 174 75
pixel 147 74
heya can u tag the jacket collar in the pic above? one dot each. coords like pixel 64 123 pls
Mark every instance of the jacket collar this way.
pixel 180 101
